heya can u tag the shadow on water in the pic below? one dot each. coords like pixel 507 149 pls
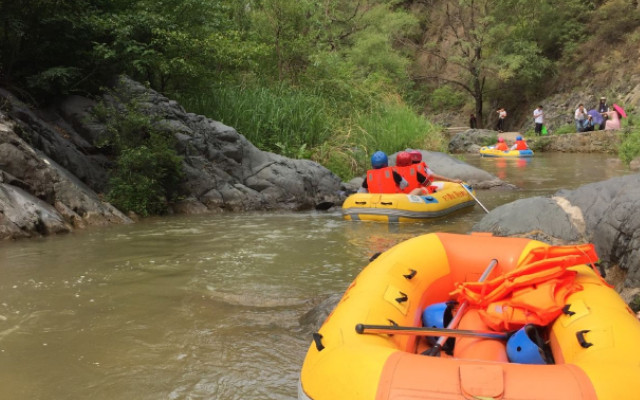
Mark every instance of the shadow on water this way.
pixel 205 306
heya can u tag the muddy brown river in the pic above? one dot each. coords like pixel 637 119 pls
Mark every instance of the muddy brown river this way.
pixel 207 306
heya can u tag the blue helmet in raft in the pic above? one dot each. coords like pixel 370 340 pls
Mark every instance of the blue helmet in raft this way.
pixel 437 315
pixel 379 160
pixel 523 349
pixel 518 137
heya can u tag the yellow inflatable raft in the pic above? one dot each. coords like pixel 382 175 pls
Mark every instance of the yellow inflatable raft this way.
pixel 489 151
pixel 400 207
pixel 593 342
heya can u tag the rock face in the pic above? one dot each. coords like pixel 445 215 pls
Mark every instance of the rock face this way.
pixel 603 213
pixel 51 169
pixel 39 197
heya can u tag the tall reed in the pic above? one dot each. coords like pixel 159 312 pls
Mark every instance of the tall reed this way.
pixel 280 119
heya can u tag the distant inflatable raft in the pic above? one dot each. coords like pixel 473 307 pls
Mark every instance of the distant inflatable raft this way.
pixel 400 207
pixel 489 151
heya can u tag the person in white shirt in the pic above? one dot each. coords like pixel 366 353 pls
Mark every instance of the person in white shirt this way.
pixel 538 118
pixel 581 118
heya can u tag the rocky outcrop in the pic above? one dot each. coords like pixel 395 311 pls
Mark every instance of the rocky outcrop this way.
pixel 39 197
pixel 52 173
pixel 603 213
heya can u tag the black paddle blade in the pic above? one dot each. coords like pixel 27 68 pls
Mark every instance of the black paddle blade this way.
pixel 325 205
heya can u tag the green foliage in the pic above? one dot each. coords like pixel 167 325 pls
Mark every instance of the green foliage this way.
pixel 148 170
pixel 539 143
pixel 393 126
pixel 446 98
pixel 145 179
pixel 621 16
pixel 281 120
pixel 630 147
pixel 564 129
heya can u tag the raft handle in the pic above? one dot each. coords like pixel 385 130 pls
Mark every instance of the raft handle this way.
pixel 411 274
pixel 386 203
pixel 361 203
pixel 566 311
pixel 403 297
pixel 317 338
pixel 582 340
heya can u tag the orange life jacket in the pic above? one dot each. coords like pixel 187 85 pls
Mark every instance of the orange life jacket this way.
pixel 501 146
pixel 381 181
pixel 410 174
pixel 423 168
pixel 521 145
pixel 534 292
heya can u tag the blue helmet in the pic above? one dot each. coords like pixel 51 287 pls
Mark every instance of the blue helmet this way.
pixel 518 137
pixel 522 349
pixel 379 160
pixel 437 315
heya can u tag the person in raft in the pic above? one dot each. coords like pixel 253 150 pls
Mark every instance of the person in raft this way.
pixel 382 178
pixel 520 144
pixel 420 177
pixel 501 145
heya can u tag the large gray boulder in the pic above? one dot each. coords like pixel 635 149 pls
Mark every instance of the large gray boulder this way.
pixel 223 170
pixel 603 213
pixel 39 197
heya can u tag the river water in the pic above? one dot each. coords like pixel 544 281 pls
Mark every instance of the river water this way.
pixel 207 306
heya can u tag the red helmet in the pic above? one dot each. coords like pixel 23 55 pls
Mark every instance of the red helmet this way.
pixel 403 159
pixel 416 156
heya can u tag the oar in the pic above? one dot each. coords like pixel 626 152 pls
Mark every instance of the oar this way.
pixel 474 197
pixel 325 205
pixel 435 350
pixel 410 330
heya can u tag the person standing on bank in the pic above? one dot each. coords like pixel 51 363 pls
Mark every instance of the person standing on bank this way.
pixel 502 114
pixel 580 117
pixel 538 118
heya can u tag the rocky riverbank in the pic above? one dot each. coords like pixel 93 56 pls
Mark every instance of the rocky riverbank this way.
pixel 471 140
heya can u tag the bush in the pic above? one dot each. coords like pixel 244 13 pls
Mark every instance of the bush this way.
pixel 445 98
pixel 148 169
pixel 394 127
pixel 564 129
pixel 145 180
pixel 630 147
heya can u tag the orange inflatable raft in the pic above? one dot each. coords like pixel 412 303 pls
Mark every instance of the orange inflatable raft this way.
pixel 590 338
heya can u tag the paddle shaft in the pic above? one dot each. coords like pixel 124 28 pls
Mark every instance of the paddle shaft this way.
pixel 435 350
pixel 475 198
pixel 409 330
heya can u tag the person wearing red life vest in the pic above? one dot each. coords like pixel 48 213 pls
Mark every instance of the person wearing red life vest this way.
pixel 425 175
pixel 409 172
pixel 501 145
pixel 520 144
pixel 382 178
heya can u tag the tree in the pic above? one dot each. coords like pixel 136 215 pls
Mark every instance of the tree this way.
pixel 484 47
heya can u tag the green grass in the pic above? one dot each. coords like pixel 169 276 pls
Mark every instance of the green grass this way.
pixel 280 120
